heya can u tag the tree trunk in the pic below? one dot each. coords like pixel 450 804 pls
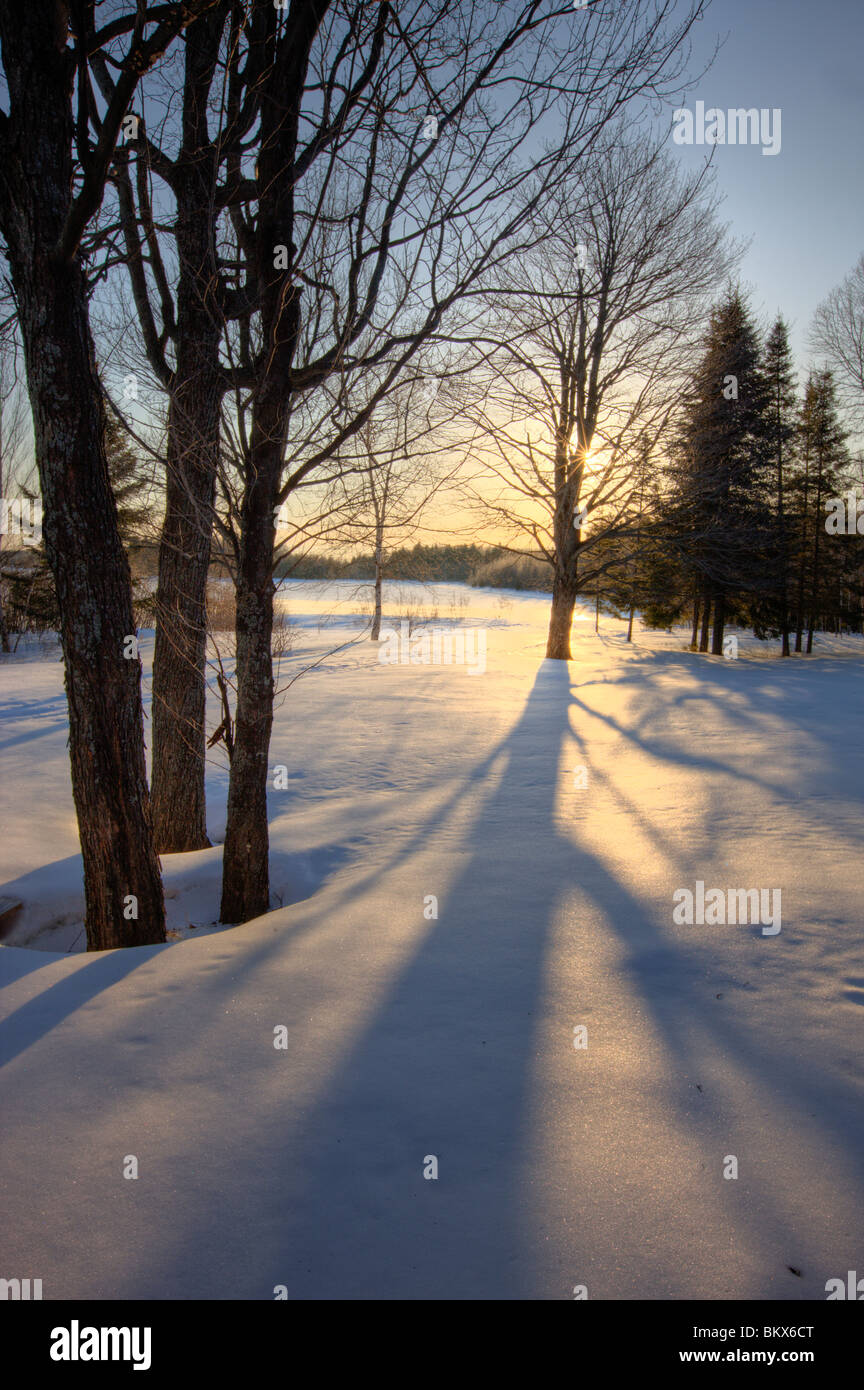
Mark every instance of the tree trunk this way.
pixel 784 561
pixel 245 873
pixel 694 635
pixel 379 575
pixel 719 625
pixel 564 594
pixel 122 887
pixel 179 662
pixel 630 624
pixel 802 565
pixel 814 585
pixel 565 584
pixel 706 623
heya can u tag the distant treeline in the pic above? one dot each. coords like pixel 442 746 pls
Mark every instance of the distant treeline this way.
pixel 478 565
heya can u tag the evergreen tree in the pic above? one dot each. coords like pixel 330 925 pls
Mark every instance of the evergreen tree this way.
pixel 31 603
pixel 781 429
pixel 719 515
pixel 130 483
pixel 821 475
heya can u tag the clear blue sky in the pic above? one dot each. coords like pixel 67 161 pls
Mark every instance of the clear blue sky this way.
pixel 802 209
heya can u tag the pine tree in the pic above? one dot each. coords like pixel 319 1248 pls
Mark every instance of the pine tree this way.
pixel 130 483
pixel 781 433
pixel 32 598
pixel 719 514
pixel 824 462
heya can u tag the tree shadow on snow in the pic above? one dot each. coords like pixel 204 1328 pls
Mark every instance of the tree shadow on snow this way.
pixel 332 1201
pixel 446 1067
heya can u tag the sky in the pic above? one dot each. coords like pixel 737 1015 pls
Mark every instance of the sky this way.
pixel 802 209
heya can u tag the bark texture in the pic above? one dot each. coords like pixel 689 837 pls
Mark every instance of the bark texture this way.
pixel 564 595
pixel 123 890
pixel 565 582
pixel 179 662
pixel 245 872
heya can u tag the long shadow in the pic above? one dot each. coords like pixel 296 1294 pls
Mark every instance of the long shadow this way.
pixel 28 735
pixel 15 964
pixel 666 981
pixel 35 1019
pixel 442 1071
pixel 332 1201
pixel 665 977
pixel 444 1068
pixel 652 729
pixel 47 716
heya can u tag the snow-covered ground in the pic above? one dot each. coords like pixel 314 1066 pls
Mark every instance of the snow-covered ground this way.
pixel 552 811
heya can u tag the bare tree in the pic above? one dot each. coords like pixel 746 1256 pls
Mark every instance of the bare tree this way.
pixel 837 334
pixel 588 343
pixel 355 191
pixel 43 215
pixel 392 470
pixel 181 330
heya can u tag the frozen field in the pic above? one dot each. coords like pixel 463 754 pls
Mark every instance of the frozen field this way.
pixel 552 811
